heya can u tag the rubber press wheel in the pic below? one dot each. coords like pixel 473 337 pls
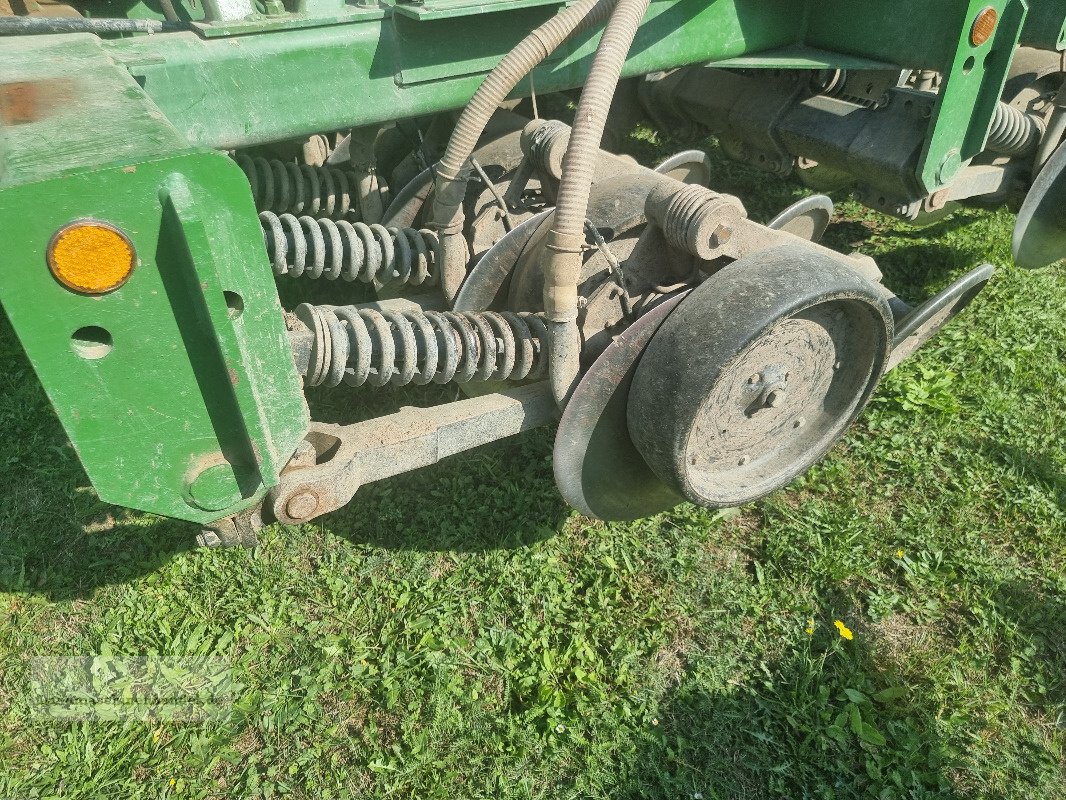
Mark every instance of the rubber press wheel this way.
pixel 757 373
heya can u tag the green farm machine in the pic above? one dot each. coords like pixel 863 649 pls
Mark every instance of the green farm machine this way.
pixel 167 166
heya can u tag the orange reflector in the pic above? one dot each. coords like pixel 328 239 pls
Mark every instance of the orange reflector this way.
pixel 91 256
pixel 983 26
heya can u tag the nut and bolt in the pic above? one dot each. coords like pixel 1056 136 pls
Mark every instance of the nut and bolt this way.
pixel 754 379
pixel 775 398
pixel 301 505
pixel 208 538
pixel 799 422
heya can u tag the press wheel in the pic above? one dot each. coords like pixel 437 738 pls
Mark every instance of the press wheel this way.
pixel 757 373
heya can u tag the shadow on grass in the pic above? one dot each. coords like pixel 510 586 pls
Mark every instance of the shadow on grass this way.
pixel 66 547
pixel 55 547
pixel 1036 467
pixel 821 722
pixel 499 496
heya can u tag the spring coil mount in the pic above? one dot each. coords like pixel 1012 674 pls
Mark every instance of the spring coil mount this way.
pixel 288 188
pixel 360 345
pixel 1013 132
pixel 318 248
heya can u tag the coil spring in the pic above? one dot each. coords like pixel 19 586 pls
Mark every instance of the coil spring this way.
pixel 358 345
pixel 1012 132
pixel 287 188
pixel 542 140
pixel 322 247
pixel 833 82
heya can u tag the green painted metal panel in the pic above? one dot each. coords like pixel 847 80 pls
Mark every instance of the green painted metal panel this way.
pixel 264 87
pixel 67 99
pixel 442 9
pixel 803 57
pixel 972 82
pixel 1045 26
pixel 918 34
pixel 185 388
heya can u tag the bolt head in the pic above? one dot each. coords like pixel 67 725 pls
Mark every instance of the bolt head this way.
pixel 775 398
pixel 743 460
pixel 301 505
pixel 754 379
pixel 799 422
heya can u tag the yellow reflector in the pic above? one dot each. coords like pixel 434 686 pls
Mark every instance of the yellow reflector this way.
pixel 91 256
pixel 983 26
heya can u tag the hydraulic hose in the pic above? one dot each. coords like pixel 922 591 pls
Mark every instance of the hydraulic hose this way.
pixel 450 184
pixel 565 242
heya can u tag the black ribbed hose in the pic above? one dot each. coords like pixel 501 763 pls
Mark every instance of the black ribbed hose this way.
pixel 562 255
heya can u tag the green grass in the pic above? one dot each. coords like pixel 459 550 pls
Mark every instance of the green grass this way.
pixel 459 633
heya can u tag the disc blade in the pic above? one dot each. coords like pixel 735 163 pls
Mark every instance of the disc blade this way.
pixel 924 322
pixel 1040 233
pixel 807 218
pixel 597 468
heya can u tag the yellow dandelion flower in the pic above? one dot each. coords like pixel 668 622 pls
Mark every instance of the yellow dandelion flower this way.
pixel 844 630
pixel 899 554
pixel 810 627
pixel 172 782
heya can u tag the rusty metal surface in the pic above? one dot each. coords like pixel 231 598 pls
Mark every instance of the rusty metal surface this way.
pixel 37 8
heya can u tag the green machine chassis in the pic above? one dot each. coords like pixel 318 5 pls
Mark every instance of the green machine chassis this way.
pixel 196 406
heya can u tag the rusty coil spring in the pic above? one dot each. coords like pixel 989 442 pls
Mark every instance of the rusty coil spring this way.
pixel 358 345
pixel 319 248
pixel 288 188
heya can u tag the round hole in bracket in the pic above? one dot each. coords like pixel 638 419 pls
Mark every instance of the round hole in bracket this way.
pixel 91 342
pixel 967 66
pixel 235 304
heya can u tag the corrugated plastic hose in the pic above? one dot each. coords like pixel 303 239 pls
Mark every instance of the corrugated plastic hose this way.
pixel 562 254
pixel 450 185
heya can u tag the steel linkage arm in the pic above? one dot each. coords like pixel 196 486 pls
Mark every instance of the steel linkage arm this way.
pixel 335 460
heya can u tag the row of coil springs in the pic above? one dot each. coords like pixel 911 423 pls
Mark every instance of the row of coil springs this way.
pixel 318 248
pixel 288 188
pixel 360 345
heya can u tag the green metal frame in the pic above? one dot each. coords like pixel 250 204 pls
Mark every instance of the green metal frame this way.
pixel 196 408
pixel 194 412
